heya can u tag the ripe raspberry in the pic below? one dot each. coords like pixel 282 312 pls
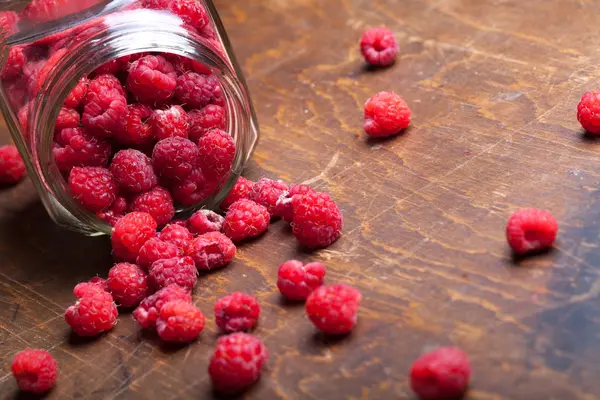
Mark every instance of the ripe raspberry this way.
pixel 177 235
pixel 35 370
pixel 103 112
pixel 284 207
pixel 317 220
pixel 190 11
pixel 441 374
pixel 157 202
pixel 92 314
pixel 67 118
pixel 111 67
pixel 12 167
pixel 104 83
pixel 152 79
pixel 93 187
pixel 130 233
pixel 134 128
pixel 204 221
pixel 237 312
pixel 48 68
pixel 47 10
pixel 202 121
pixel 217 151
pixel 179 322
pixel 8 19
pixel 183 65
pixel 379 47
pixel 241 190
pixel 133 171
pixel 297 281
pixel 245 219
pixel 147 312
pixel 332 309
pixel 237 362
pixel 266 192
pixel 174 157
pixel 179 270
pixel 16 92
pixel 195 90
pixel 530 230
pixel 386 114
pixel 116 211
pixel 14 63
pixel 128 284
pixel 94 285
pixel 173 121
pixel 588 112
pixel 154 250
pixel 193 189
pixel 78 93
pixel 76 147
pixel 211 250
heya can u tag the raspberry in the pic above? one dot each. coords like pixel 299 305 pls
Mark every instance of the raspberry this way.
pixel 217 151
pixel 128 284
pixel 76 147
pixel 78 93
pixel 116 211
pixel 441 374
pixel 379 47
pixel 266 192
pixel 317 220
pixel 130 233
pixel 211 250
pixel 174 157
pixel 133 171
pixel 23 116
pixel 103 83
pixel 154 250
pixel 202 121
pixel 179 270
pixel 245 219
pixel 34 370
pixel 193 189
pixel 237 362
pixel 588 112
pixel 12 167
pixel 157 202
pixel 297 281
pixel 151 79
pixel 147 312
pixel 14 63
pixel 177 235
pixel 103 111
pixel 204 221
pixel 195 90
pixel 94 285
pixel 92 314
pixel 190 11
pixel 93 187
pixel 16 92
pixel 134 129
pixel 241 190
pixel 111 67
pixel 386 114
pixel 237 312
pixel 332 309
pixel 47 10
pixel 284 207
pixel 67 118
pixel 173 121
pixel 183 64
pixel 47 69
pixel 530 230
pixel 8 19
pixel 179 322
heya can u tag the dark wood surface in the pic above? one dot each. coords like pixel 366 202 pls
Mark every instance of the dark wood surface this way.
pixel 493 85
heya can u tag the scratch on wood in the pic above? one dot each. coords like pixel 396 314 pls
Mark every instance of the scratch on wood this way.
pixel 326 170
pixel 14 316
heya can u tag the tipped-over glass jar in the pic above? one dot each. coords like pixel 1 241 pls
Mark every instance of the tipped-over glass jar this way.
pixel 121 106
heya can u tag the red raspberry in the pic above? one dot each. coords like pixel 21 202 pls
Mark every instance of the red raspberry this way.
pixel 204 221
pixel 156 202
pixel 237 312
pixel 111 67
pixel 133 171
pixel 128 284
pixel 237 362
pixel 193 189
pixel 202 121
pixel 103 112
pixel 190 11
pixel 297 281
pixel 441 374
pixel 67 118
pixel 76 147
pixel 266 192
pixel 174 157
pixel 47 10
pixel 152 79
pixel 35 370
pixel 284 207
pixel 117 210
pixel 179 270
pixel 332 309
pixel 104 83
pixel 245 219
pixel 78 93
pixel 12 167
pixel 154 250
pixel 14 63
pixel 588 112
pixel 173 121
pixel 48 68
pixel 183 64
pixel 92 314
pixel 8 19
pixel 379 47
pixel 94 285
pixel 93 187
pixel 317 220
pixel 217 151
pixel 147 312
pixel 386 114
pixel 530 230
pixel 179 322
pixel 16 92
pixel 241 190
pixel 134 128
pixel 195 90
pixel 211 250
pixel 177 235
pixel 130 233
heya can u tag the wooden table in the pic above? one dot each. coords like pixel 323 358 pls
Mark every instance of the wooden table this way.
pixel 493 86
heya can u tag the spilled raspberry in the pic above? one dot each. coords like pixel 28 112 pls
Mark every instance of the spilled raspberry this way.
pixel 204 221
pixel 179 322
pixel 130 233
pixel 317 220
pixel 154 250
pixel 386 114
pixel 333 309
pixel 211 251
pixel 157 202
pixel 297 281
pixel 179 270
pixel 443 373
pixel 237 312
pixel 530 230
pixel 245 219
pixel 147 312
pixel 34 370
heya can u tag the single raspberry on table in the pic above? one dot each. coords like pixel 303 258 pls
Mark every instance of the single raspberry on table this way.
pixel 104 112
pixel 266 192
pixel 297 281
pixel 92 286
pixel 333 309
pixel 34 370
pixel 206 119
pixel 116 211
pixel 128 284
pixel 588 112
pixel 245 219
pixel 151 79
pixel 174 157
pixel 317 220
pixel 195 90
pixel 379 46
pixel 217 151
pixel 76 147
pixel 14 64
pixel 237 362
pixel 130 233
pixel 67 118
pixel 12 167
pixel 177 235
pixel 133 171
pixel 179 322
pixel 78 93
pixel 93 187
pixel 237 312
pixel 241 190
pixel 155 249
pixel 530 230
pixel 147 312
pixel 284 207
pixel 179 270
pixel 211 250
pixel 204 221
pixel 92 314
pixel 441 374
pixel 156 202
pixel 173 121
pixel 386 114
pixel 135 129
pixel 195 188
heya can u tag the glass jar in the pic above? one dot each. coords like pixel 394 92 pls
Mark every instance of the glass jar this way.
pixel 88 79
